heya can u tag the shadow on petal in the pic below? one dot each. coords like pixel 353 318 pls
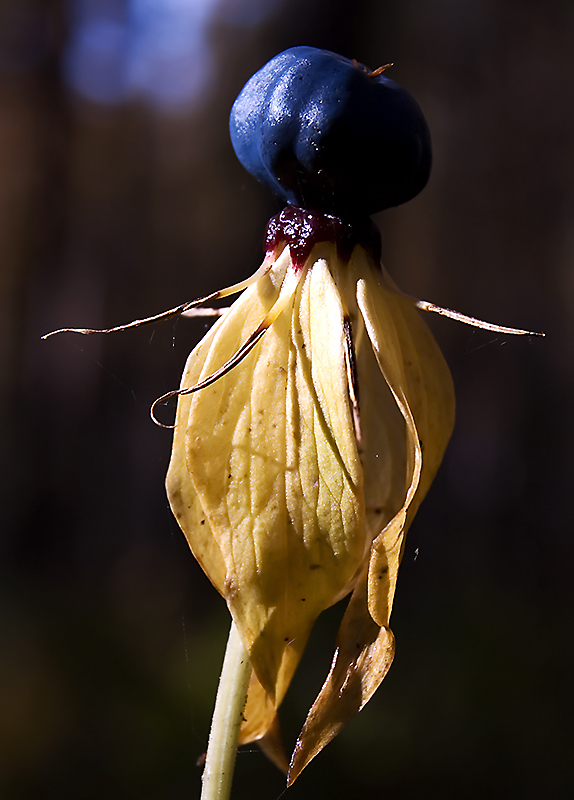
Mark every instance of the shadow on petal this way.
pixel 260 724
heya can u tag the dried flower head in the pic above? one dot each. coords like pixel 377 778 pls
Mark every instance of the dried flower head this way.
pixel 313 416
pixel 296 472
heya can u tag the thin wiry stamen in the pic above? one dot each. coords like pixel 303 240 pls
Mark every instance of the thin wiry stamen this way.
pixel 137 323
pixel 424 305
pixel 183 309
pixel 243 351
pixel 290 282
pixel 205 312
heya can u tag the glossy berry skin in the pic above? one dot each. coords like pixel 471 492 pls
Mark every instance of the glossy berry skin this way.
pixel 324 134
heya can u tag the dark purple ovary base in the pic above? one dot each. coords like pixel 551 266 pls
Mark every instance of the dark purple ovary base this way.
pixel 302 229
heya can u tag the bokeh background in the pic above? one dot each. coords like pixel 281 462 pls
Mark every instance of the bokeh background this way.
pixel 120 196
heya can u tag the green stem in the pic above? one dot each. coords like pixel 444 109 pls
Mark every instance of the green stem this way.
pixel 227 716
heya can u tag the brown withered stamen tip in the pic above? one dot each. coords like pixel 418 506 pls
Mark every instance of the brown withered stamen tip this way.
pixel 380 70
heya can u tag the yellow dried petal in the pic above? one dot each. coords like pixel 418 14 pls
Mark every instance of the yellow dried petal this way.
pixel 415 373
pixel 290 499
pixel 363 655
pixel 269 451
pixel 419 378
pixel 250 308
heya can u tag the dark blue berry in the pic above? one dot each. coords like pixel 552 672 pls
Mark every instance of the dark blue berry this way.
pixel 325 133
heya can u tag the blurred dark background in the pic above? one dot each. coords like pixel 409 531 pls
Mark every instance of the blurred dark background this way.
pixel 120 196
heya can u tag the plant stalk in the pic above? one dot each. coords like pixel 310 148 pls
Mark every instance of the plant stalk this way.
pixel 227 717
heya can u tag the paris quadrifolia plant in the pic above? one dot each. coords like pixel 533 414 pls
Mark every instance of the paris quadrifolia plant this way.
pixel 314 414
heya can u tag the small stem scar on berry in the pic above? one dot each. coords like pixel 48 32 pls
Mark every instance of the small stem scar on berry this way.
pixel 379 70
pixel 375 72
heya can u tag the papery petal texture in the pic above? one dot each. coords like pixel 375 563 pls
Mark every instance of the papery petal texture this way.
pixel 418 378
pixel 295 487
pixel 265 459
